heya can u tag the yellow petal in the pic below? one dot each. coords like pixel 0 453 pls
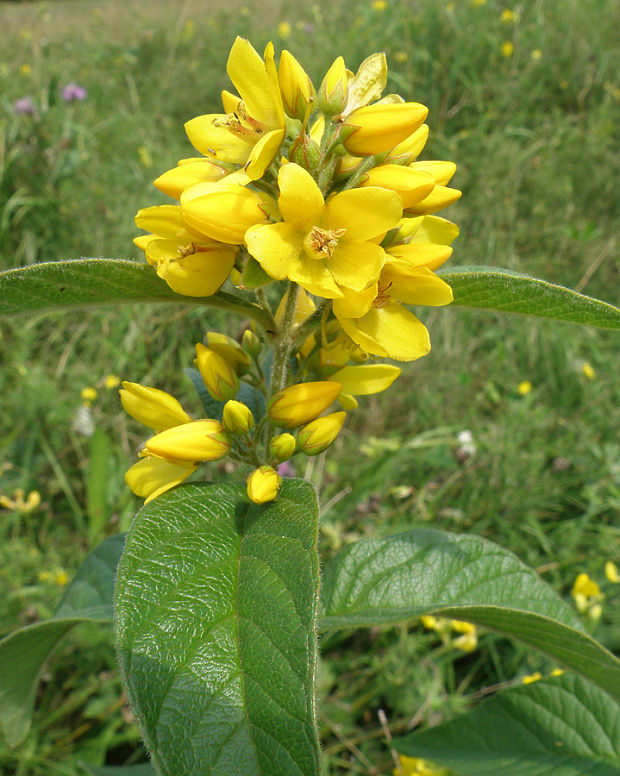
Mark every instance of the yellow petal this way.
pixel 301 202
pixel 434 229
pixel 263 153
pixel 412 185
pixel 143 241
pixel 412 255
pixel 257 82
pixel 304 307
pixel 380 127
pixel 440 197
pixel 441 171
pixel 390 331
pixel 162 220
pixel 274 246
pixel 364 213
pixel 411 147
pixel 230 101
pixel 356 264
pixel 314 276
pixel 222 212
pixel 201 273
pixel 151 477
pixel 200 440
pixel 416 286
pixel 355 304
pixel 174 181
pixel 154 408
pixel 366 379
pixel 209 135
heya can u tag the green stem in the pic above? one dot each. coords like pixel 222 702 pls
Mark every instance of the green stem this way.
pixel 284 341
pixel 305 329
pixel 236 304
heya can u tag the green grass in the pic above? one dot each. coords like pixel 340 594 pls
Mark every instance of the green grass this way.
pixel 532 137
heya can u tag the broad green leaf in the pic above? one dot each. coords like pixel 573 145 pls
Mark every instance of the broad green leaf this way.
pixel 55 285
pixel 216 605
pixel 22 654
pixel 385 580
pixel 557 727
pixel 489 288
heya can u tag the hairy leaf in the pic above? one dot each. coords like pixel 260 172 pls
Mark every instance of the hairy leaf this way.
pixel 215 608
pixel 422 571
pixel 563 726
pixel 489 288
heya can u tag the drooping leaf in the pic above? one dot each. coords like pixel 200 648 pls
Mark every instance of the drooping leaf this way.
pixel 563 726
pixel 216 605
pixel 22 654
pixel 394 578
pixel 502 290
pixel 56 285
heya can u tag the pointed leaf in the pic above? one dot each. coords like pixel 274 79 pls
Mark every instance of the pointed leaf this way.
pixel 22 654
pixel 393 578
pixel 502 290
pixel 215 609
pixel 564 726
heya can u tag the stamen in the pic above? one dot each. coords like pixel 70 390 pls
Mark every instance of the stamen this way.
pixel 322 242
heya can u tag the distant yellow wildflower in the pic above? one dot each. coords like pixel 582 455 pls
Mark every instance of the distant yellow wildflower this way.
pixel 284 30
pixel 111 381
pixel 416 766
pixel 88 395
pixel 524 387
pixel 536 55
pixel 588 371
pixel 25 69
pixel 145 156
pixel 379 5
pixel 531 678
pixel 507 48
pixel 508 15
pixel 611 572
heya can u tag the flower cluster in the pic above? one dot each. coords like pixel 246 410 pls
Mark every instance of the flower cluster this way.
pixel 312 202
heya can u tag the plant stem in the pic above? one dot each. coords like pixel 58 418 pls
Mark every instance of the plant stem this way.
pixel 236 304
pixel 284 341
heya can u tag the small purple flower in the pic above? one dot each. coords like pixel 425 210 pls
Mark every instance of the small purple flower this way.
pixel 24 106
pixel 72 92
pixel 308 28
pixel 286 470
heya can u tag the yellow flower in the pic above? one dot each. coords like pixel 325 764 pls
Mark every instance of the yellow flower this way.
pixel 298 404
pixel 509 16
pixel 152 476
pixel 156 409
pixel 588 371
pixel 319 434
pixel 263 484
pixel 284 30
pixel 252 130
pixel 191 264
pixel 478 3
pixel 199 440
pixel 373 129
pixel 586 586
pixel 366 379
pixel 25 69
pixel 531 678
pixel 111 381
pixel 587 595
pixel 416 766
pixel 145 156
pixel 237 418
pixel 61 578
pixel 507 48
pixel 611 571
pixel 332 94
pixel 379 5
pixel 468 641
pixel 229 350
pixel 187 173
pixel 536 54
pixel 557 672
pixel 219 376
pixel 88 394
pixel 524 387
pixel 324 246
pixel 410 184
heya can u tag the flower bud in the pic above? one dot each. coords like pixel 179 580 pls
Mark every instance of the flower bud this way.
pixel 251 343
pixel 306 153
pixel 296 86
pixel 156 409
pixel 219 377
pixel 376 128
pixel 263 484
pixel 298 404
pixel 332 95
pixel 282 447
pixel 199 440
pixel 320 433
pixel 229 350
pixel 237 418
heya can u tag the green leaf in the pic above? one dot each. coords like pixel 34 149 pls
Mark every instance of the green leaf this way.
pixel 145 769
pixel 22 654
pixel 394 578
pixel 489 288
pixel 215 609
pixel 561 727
pixel 56 285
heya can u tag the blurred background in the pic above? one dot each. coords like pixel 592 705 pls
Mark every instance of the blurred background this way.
pixel 508 429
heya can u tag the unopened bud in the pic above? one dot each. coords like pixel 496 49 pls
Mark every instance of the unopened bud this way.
pixel 320 433
pixel 200 440
pixel 251 343
pixel 230 350
pixel 237 418
pixel 301 403
pixel 156 409
pixel 296 87
pixel 306 153
pixel 219 377
pixel 379 127
pixel 332 94
pixel 263 484
pixel 282 447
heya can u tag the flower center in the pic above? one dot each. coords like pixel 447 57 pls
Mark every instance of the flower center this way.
pixel 383 298
pixel 241 124
pixel 321 243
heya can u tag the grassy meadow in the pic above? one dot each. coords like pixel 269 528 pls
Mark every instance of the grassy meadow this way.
pixel 525 98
